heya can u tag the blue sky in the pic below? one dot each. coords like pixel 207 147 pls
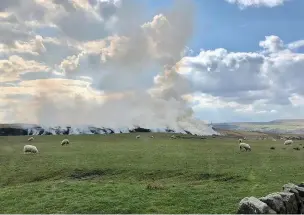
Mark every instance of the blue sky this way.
pixel 219 24
pixel 225 25
pixel 246 63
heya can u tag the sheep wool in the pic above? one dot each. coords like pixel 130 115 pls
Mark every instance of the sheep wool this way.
pixel 288 142
pixel 138 136
pixel 30 148
pixel 245 146
pixel 30 139
pixel 65 142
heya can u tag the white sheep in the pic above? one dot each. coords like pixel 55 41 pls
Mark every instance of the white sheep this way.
pixel 240 140
pixel 288 142
pixel 30 139
pixel 30 148
pixel 152 136
pixel 138 136
pixel 65 142
pixel 173 136
pixel 245 146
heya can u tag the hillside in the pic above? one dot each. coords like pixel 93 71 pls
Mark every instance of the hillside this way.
pixel 282 126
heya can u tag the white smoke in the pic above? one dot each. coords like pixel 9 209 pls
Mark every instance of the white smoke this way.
pixel 134 72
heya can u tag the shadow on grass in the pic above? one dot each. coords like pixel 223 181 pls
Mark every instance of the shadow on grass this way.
pixel 84 174
pixel 221 177
pixel 87 174
pixel 47 176
pixel 123 174
pixel 79 174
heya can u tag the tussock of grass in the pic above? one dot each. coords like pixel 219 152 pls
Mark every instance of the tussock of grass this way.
pixel 155 186
pixel 117 174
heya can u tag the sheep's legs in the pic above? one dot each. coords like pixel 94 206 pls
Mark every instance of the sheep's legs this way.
pixel 244 149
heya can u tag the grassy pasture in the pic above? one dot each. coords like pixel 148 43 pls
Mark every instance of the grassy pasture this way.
pixel 121 174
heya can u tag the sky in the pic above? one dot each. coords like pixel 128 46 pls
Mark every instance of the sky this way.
pixel 151 62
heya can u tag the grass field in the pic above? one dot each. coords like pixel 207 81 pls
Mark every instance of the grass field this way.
pixel 121 174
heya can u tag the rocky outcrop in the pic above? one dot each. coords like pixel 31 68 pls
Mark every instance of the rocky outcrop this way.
pixel 275 201
pixel 252 205
pixel 289 201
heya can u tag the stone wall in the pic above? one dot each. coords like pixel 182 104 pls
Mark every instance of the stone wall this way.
pixel 288 201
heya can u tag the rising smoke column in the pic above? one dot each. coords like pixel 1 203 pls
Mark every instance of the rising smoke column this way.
pixel 134 72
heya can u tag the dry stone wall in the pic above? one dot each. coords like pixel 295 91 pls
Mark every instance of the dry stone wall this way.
pixel 289 201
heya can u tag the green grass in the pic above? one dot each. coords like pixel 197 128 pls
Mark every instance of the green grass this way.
pixel 121 174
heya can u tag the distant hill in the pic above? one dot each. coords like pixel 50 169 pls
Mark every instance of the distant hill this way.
pixel 280 126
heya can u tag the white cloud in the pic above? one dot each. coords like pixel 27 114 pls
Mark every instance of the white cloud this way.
pixel 14 66
pixel 257 3
pixel 297 100
pixel 272 44
pixel 34 47
pixel 258 82
pixel 296 44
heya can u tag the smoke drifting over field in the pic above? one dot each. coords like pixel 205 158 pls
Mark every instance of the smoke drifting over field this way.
pixel 105 66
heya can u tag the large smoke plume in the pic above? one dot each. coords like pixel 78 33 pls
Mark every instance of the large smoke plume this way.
pixel 132 73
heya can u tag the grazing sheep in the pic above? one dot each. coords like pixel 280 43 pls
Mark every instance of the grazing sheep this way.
pixel 152 136
pixel 30 148
pixel 138 136
pixel 30 139
pixel 288 142
pixel 65 142
pixel 245 146
pixel 173 136
pixel 240 140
